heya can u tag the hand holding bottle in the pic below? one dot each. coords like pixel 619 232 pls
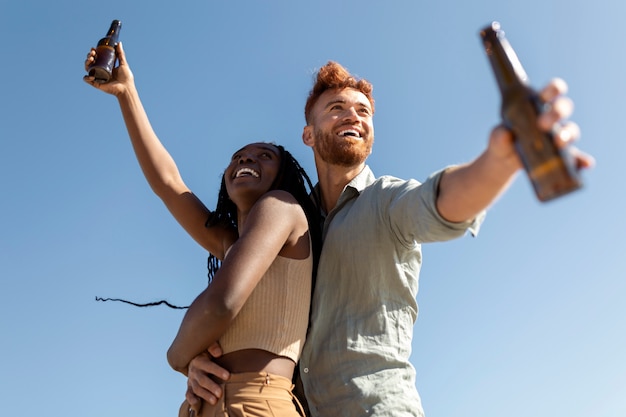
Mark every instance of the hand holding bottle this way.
pixel 538 130
pixel 102 67
pixel 557 108
pixel 554 119
pixel 121 76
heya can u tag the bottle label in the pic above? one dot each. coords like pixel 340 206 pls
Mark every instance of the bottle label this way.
pixel 545 168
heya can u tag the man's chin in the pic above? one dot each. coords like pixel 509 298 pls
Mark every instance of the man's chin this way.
pixel 346 151
pixel 344 159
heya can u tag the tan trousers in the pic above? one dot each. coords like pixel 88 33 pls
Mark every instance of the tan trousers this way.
pixel 251 394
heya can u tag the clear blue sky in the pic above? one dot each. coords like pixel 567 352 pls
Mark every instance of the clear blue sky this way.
pixel 526 319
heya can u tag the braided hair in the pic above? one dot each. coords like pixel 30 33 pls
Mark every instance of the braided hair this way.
pixel 292 178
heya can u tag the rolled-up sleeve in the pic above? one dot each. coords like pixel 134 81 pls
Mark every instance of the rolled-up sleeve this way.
pixel 413 212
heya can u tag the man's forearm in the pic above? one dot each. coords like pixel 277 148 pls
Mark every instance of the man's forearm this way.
pixel 467 190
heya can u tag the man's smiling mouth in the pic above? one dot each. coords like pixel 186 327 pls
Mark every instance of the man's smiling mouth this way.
pixel 349 132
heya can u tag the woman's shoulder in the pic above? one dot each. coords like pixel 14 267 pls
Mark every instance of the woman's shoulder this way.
pixel 277 205
pixel 278 196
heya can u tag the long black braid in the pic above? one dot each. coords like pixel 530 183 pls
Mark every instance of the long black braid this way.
pixel 292 178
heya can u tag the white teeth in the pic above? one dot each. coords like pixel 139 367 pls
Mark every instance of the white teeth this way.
pixel 245 172
pixel 349 132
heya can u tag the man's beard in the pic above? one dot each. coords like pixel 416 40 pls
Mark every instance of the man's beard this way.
pixel 345 152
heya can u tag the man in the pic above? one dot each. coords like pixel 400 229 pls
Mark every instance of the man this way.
pixel 356 358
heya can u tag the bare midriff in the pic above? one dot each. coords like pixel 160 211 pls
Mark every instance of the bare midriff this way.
pixel 256 360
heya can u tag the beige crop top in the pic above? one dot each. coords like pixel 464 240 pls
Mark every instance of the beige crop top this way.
pixel 276 315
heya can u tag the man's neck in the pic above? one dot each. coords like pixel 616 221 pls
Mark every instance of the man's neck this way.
pixel 332 180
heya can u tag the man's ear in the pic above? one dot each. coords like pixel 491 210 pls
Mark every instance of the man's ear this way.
pixel 307 136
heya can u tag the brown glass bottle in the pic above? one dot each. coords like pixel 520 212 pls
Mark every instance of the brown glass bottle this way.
pixel 102 68
pixel 552 171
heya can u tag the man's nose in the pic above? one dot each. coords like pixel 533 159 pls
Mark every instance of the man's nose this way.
pixel 350 114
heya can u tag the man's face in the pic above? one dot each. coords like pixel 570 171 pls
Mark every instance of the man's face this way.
pixel 342 127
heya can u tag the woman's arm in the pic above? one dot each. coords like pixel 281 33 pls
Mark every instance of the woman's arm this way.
pixel 275 222
pixel 156 163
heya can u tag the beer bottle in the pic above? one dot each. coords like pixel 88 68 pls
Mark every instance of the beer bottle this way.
pixel 551 170
pixel 102 67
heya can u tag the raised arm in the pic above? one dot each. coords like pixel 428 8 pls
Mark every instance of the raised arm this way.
pixel 156 163
pixel 466 190
pixel 275 224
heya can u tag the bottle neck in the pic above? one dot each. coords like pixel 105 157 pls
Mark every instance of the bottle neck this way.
pixel 506 65
pixel 113 35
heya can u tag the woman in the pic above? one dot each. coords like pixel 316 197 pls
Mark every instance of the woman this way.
pixel 266 232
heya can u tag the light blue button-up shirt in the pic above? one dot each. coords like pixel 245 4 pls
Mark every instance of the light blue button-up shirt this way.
pixel 356 358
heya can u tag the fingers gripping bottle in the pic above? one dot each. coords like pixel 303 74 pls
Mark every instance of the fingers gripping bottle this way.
pixel 551 170
pixel 102 67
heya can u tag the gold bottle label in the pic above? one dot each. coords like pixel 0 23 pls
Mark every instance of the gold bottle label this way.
pixel 545 168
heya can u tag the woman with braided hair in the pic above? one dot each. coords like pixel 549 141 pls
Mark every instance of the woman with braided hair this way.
pixel 263 239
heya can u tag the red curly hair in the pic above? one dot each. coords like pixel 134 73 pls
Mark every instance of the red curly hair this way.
pixel 334 76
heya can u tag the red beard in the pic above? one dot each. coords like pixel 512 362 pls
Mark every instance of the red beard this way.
pixel 346 152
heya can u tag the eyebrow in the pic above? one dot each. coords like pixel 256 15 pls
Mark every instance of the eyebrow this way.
pixel 342 101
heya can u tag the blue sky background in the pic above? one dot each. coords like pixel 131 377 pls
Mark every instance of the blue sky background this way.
pixel 526 319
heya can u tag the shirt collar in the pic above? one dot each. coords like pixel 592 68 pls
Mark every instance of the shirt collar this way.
pixel 362 180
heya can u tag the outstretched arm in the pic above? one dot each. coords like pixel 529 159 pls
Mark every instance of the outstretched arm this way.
pixel 466 190
pixel 156 163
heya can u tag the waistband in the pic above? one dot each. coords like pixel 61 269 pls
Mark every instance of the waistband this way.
pixel 263 378
pixel 263 384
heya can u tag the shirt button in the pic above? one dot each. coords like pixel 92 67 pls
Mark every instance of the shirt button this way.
pixel 306 370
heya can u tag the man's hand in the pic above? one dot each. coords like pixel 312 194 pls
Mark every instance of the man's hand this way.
pixel 467 190
pixel 554 119
pixel 200 386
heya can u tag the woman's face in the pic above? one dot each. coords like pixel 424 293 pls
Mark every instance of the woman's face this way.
pixel 251 172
